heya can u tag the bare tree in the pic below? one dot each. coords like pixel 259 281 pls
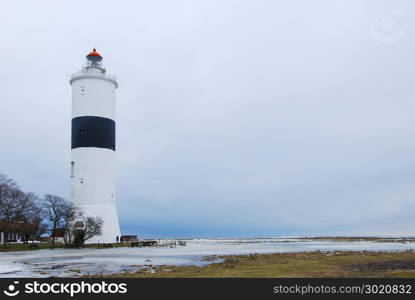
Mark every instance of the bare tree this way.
pixel 10 204
pixel 19 212
pixel 29 217
pixel 86 229
pixel 56 210
pixel 6 184
pixel 70 217
pixel 25 214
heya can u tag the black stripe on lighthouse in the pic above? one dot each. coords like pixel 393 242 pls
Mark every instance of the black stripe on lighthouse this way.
pixel 90 131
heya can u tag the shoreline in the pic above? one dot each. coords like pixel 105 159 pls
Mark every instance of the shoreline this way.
pixel 25 247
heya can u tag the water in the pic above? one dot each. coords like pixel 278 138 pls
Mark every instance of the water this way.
pixel 76 262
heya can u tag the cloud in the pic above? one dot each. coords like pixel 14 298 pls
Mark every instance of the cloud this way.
pixel 234 118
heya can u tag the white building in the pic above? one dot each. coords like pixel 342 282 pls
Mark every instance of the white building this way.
pixel 11 237
pixel 93 145
pixel 20 232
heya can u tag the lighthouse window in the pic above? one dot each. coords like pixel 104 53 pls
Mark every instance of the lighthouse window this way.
pixel 72 168
pixel 82 90
pixel 82 131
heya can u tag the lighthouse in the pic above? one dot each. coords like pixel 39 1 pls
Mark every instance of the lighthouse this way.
pixel 93 146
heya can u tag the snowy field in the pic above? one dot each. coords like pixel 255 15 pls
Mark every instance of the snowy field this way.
pixel 76 262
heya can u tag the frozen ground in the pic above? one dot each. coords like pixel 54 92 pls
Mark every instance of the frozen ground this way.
pixel 72 262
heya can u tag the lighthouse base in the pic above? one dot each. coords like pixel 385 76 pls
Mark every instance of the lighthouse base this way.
pixel 110 229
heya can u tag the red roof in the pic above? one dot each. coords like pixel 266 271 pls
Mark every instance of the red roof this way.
pixel 16 226
pixel 94 53
pixel 58 232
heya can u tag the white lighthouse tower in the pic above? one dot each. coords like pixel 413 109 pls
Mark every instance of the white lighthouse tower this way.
pixel 93 146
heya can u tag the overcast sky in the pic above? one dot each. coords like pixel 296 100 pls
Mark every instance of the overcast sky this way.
pixel 234 118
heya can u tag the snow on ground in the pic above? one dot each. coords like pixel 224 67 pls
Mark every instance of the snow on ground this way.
pixel 76 262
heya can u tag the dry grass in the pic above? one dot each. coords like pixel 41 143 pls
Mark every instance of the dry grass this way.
pixel 310 264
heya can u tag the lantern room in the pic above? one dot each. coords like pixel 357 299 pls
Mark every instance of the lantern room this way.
pixel 94 59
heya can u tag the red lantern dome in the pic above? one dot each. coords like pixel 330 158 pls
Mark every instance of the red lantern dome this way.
pixel 94 53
